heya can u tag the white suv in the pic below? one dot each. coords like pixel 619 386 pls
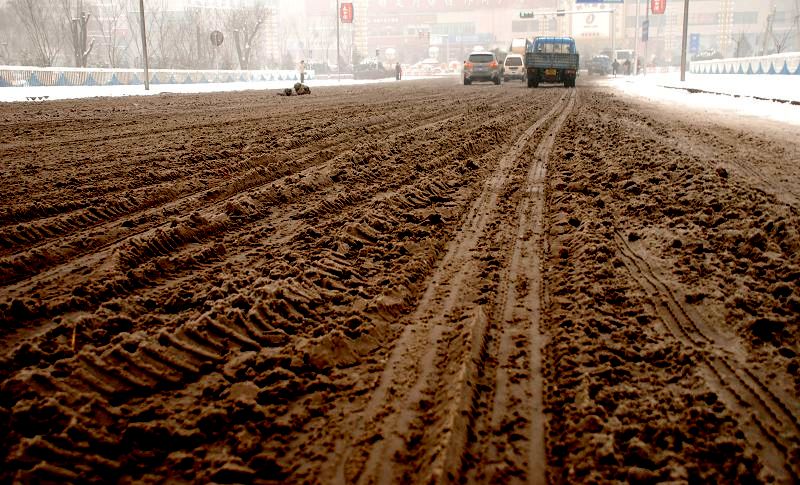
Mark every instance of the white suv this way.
pixel 514 67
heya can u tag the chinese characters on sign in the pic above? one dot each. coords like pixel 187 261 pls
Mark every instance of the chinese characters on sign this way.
pixel 657 7
pixel 346 13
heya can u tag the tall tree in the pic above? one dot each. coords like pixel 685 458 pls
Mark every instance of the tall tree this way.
pixel 743 48
pixel 781 40
pixel 42 27
pixel 109 18
pixel 78 19
pixel 246 25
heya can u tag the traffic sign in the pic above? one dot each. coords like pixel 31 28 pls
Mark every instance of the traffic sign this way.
pixel 217 38
pixel 694 43
pixel 657 7
pixel 346 13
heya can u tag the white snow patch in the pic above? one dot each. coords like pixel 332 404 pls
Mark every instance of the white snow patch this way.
pixel 668 88
pixel 12 94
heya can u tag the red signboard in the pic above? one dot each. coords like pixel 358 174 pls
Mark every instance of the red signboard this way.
pixel 346 13
pixel 657 7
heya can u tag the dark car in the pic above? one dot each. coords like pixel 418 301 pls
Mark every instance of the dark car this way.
pixel 371 69
pixel 599 65
pixel 482 66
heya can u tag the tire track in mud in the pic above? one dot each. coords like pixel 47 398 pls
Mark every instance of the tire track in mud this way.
pixel 771 426
pixel 516 415
pixel 34 236
pixel 196 203
pixel 164 364
pixel 343 100
pixel 442 327
pixel 250 137
pixel 713 158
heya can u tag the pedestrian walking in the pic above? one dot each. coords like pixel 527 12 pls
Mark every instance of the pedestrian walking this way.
pixel 615 67
pixel 398 71
pixel 302 70
pixel 627 67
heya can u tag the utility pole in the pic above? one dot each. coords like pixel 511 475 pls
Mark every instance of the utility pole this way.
pixel 338 55
pixel 636 41
pixel 614 30
pixel 144 47
pixel 685 35
pixel 646 42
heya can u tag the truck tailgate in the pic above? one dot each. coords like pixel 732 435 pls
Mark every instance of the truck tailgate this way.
pixel 544 60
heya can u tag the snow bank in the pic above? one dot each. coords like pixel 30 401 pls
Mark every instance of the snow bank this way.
pixel 74 92
pixel 787 63
pixel 762 96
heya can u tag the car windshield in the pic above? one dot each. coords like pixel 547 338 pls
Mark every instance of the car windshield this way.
pixel 513 61
pixel 481 58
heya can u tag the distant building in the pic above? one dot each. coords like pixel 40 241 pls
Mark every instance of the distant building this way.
pixel 733 28
pixel 448 29
pixel 415 29
pixel 318 27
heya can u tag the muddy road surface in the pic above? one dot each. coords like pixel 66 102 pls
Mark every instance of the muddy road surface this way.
pixel 418 282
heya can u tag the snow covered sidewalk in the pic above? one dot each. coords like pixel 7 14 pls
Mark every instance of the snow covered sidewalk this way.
pixel 41 93
pixel 774 97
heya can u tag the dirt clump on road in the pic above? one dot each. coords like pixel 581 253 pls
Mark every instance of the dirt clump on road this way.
pixel 416 282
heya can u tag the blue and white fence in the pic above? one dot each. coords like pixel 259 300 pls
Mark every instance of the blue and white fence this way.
pixel 781 64
pixel 12 76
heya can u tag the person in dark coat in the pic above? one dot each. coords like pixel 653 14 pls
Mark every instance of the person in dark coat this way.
pixel 615 67
pixel 398 71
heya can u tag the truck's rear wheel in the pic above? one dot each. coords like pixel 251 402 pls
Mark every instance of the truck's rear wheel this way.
pixel 532 77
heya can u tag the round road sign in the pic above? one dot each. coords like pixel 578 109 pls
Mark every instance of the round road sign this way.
pixel 217 38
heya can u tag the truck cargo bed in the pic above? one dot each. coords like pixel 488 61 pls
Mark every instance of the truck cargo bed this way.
pixel 543 60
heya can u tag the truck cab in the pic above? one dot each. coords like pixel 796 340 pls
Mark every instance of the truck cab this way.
pixel 551 60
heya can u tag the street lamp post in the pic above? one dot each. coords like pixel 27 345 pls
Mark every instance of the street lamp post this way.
pixel 338 55
pixel 636 41
pixel 683 42
pixel 144 47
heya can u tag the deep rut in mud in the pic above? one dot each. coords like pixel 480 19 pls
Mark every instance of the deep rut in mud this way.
pixel 421 282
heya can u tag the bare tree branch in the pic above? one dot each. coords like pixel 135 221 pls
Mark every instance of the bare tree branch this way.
pixel 109 20
pixel 246 23
pixel 780 40
pixel 42 27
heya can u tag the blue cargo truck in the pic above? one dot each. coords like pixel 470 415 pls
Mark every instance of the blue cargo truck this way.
pixel 551 60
